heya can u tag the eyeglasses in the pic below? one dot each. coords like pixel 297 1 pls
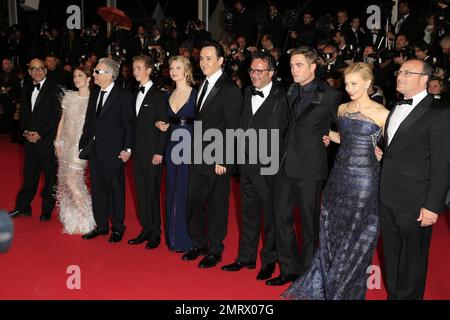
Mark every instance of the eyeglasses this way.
pixel 99 72
pixel 408 73
pixel 257 71
pixel 35 69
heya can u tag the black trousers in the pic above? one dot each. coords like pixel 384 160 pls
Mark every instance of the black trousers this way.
pixel 208 209
pixel 108 191
pixel 256 196
pixel 306 194
pixel 406 247
pixel 147 179
pixel 39 158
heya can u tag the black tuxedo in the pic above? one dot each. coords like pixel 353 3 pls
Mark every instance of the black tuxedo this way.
pixel 357 39
pixel 102 141
pixel 257 189
pixel 304 168
pixel 412 28
pixel 415 174
pixel 148 141
pixel 40 156
pixel 136 47
pixel 221 110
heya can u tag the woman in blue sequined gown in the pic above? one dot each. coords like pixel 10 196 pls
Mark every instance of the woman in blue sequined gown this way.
pixel 181 114
pixel 349 220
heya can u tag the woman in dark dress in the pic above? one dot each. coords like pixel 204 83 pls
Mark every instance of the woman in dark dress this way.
pixel 181 114
pixel 349 220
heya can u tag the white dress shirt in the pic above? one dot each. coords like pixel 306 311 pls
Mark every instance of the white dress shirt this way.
pixel 140 97
pixel 211 83
pixel 399 23
pixel 401 112
pixel 257 100
pixel 35 94
pixel 108 91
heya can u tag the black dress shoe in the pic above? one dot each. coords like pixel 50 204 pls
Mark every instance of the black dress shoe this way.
pixel 116 236
pixel 94 234
pixel 266 272
pixel 210 261
pixel 194 253
pixel 142 237
pixel 282 280
pixel 19 213
pixel 238 265
pixel 153 243
pixel 45 217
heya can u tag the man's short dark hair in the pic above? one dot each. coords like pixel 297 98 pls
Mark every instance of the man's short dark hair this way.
pixel 309 53
pixel 266 57
pixel 268 36
pixel 422 45
pixel 219 49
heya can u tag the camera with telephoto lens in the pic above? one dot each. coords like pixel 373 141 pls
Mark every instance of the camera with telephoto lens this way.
pixel 386 54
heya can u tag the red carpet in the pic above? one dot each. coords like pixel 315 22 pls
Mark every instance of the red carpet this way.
pixel 36 266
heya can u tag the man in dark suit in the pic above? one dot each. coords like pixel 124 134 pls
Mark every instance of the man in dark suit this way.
pixel 265 108
pixel 148 151
pixel 304 166
pixel 415 178
pixel 40 113
pixel 218 107
pixel 244 22
pixel 139 43
pixel 407 24
pixel 106 142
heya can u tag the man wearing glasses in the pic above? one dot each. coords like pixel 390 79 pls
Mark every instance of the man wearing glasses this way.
pixel 265 108
pixel 106 142
pixel 40 112
pixel 415 178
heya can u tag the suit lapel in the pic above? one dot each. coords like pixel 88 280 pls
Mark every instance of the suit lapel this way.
pixel 269 101
pixel 111 97
pixel 318 97
pixel 212 94
pixel 146 101
pixel 386 126
pixel 413 117
pixel 42 92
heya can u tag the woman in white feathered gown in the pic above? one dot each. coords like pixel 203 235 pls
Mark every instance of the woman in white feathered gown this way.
pixel 72 194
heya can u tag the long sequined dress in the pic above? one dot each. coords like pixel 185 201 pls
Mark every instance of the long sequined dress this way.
pixel 72 195
pixel 349 220
pixel 177 177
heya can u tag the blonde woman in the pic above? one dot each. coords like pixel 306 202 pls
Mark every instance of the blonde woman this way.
pixel 73 198
pixel 181 113
pixel 349 221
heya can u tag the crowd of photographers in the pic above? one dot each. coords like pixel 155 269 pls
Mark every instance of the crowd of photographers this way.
pixel 340 39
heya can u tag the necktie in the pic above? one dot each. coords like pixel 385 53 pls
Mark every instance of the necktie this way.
pixel 399 25
pixel 100 103
pixel 142 89
pixel 37 86
pixel 202 94
pixel 257 93
pixel 405 101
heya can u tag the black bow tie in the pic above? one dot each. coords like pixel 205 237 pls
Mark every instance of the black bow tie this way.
pixel 37 86
pixel 256 92
pixel 142 89
pixel 405 101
